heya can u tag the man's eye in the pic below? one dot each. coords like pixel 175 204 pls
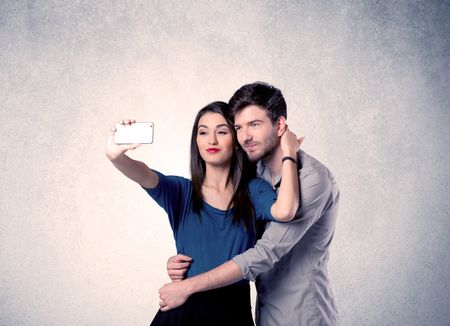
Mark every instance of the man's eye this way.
pixel 254 124
pixel 237 128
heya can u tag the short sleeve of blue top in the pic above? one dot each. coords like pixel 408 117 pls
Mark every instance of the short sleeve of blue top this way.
pixel 209 237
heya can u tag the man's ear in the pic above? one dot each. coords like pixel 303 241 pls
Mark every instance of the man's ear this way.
pixel 281 126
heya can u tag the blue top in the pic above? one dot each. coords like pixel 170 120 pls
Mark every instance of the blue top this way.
pixel 210 237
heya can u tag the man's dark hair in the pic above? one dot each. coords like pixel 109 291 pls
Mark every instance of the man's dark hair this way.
pixel 263 95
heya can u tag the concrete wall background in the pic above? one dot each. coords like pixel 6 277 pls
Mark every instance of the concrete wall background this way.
pixel 366 82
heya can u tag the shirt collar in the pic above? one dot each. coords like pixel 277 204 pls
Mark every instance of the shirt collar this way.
pixel 263 172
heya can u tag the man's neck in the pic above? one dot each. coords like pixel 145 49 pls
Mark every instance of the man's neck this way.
pixel 273 162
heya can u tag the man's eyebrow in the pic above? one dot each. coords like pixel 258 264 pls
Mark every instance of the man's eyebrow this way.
pixel 248 123
pixel 253 121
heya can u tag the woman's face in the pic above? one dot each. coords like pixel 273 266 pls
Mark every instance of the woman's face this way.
pixel 214 139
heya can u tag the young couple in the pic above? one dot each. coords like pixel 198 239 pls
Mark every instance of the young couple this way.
pixel 213 218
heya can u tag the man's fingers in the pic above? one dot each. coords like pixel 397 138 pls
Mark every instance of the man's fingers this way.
pixel 184 257
pixel 178 265
pixel 177 272
pixel 180 258
pixel 179 262
pixel 176 278
pixel 165 308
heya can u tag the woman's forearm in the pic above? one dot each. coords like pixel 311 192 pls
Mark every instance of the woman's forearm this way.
pixel 288 199
pixel 136 171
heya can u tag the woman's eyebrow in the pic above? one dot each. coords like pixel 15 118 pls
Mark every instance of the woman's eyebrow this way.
pixel 222 125
pixel 218 126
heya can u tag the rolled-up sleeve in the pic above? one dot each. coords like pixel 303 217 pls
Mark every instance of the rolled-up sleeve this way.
pixel 318 192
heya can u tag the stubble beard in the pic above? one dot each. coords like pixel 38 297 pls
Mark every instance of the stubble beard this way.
pixel 268 145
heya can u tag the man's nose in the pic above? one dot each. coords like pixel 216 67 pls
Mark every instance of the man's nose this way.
pixel 246 135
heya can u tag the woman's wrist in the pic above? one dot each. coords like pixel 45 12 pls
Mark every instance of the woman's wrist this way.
pixel 289 152
pixel 289 158
pixel 116 157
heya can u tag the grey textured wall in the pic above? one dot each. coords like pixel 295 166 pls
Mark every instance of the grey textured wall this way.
pixel 366 82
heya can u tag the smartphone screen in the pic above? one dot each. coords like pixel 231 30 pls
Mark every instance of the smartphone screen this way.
pixel 136 133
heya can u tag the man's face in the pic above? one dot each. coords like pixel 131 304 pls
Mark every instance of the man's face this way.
pixel 255 132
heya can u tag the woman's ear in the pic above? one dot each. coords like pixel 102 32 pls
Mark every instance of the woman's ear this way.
pixel 281 126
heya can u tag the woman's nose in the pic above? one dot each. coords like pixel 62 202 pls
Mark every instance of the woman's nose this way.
pixel 212 139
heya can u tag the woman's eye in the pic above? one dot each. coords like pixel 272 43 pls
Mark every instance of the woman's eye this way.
pixel 222 132
pixel 202 133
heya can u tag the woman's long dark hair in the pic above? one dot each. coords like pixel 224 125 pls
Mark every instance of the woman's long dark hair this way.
pixel 241 170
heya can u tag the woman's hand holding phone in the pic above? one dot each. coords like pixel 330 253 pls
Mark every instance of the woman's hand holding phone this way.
pixel 114 150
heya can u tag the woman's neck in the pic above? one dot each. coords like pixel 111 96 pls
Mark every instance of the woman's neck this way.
pixel 217 177
pixel 217 188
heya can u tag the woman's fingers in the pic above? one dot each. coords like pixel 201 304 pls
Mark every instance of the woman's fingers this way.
pixel 127 121
pixel 132 146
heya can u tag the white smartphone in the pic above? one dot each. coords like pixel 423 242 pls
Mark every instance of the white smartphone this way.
pixel 136 133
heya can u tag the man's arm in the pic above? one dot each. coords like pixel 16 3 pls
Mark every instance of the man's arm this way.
pixel 319 193
pixel 174 294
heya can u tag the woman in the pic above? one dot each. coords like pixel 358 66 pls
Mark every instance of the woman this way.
pixel 212 215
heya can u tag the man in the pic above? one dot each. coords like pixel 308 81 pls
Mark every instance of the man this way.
pixel 289 262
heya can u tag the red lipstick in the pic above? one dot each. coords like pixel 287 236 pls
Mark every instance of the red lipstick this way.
pixel 212 150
